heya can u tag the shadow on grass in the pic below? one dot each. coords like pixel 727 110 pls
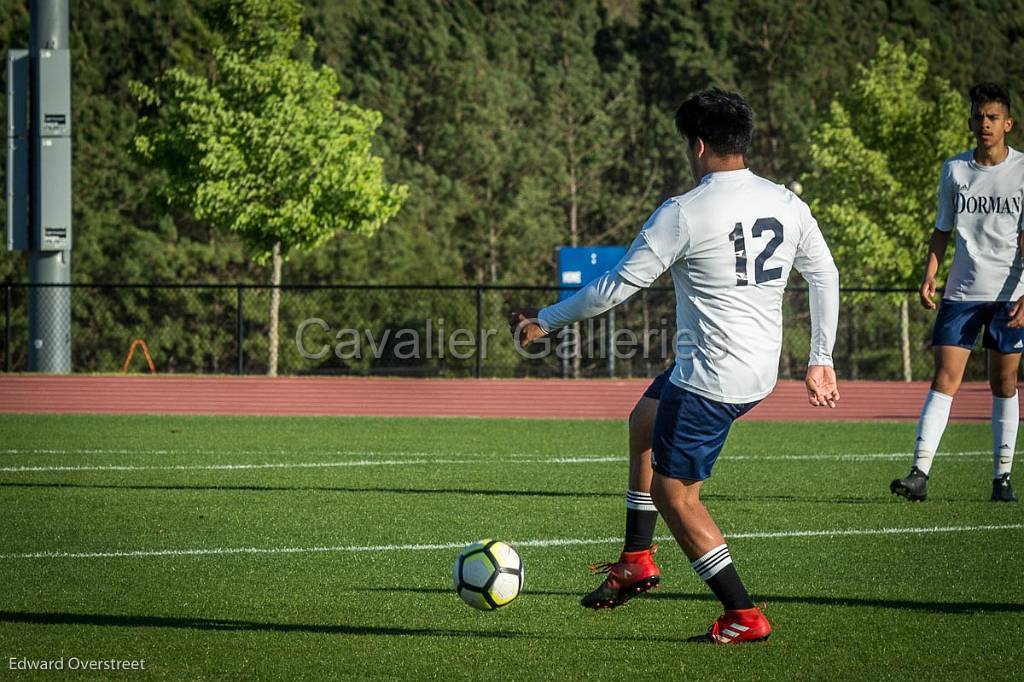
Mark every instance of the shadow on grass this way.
pixel 827 499
pixel 490 492
pixel 903 604
pixel 883 497
pixel 222 624
pixel 113 620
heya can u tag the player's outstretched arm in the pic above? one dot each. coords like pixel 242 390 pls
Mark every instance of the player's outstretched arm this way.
pixel 658 245
pixel 936 250
pixel 822 387
pixel 602 294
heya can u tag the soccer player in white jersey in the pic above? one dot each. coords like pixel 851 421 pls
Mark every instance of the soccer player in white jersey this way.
pixel 981 193
pixel 730 244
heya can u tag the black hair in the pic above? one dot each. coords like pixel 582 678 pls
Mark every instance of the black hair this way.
pixel 722 119
pixel 983 93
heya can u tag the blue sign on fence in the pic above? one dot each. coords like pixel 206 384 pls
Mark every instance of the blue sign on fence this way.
pixel 578 265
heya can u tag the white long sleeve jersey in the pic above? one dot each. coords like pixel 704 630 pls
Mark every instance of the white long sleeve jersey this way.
pixel 730 244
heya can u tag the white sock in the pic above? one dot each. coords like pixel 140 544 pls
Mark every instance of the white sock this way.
pixel 931 425
pixel 1005 418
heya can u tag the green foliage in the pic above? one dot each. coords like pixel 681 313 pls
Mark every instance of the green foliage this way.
pixel 474 101
pixel 264 147
pixel 875 162
pixel 460 127
pixel 588 119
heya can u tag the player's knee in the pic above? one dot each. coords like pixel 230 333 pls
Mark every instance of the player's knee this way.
pixel 688 507
pixel 946 381
pixel 634 418
pixel 641 424
pixel 683 503
pixel 1004 386
pixel 659 495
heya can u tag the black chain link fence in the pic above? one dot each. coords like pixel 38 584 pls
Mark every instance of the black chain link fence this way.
pixel 433 331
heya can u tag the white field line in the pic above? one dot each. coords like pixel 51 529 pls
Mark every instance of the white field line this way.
pixel 854 456
pixel 514 459
pixel 408 453
pixel 554 542
pixel 200 451
pixel 232 467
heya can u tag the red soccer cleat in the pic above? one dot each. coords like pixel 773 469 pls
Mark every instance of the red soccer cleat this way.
pixel 634 573
pixel 737 627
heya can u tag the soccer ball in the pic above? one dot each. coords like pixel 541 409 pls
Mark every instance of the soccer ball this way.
pixel 488 574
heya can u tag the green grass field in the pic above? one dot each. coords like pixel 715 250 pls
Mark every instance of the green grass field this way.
pixel 321 548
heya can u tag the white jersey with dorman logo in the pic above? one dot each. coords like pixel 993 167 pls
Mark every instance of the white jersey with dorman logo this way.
pixel 730 244
pixel 984 204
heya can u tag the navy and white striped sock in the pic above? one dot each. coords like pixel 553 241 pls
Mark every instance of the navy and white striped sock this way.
pixel 716 569
pixel 641 518
pixel 639 501
pixel 712 562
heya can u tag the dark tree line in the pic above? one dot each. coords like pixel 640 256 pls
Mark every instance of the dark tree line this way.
pixel 518 126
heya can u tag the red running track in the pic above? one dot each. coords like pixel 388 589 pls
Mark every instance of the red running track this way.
pixel 544 398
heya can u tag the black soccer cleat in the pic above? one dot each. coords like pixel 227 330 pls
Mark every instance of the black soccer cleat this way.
pixel 1002 491
pixel 914 487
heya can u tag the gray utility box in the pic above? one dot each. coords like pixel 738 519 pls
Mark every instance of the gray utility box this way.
pixel 53 106
pixel 51 200
pixel 17 197
pixel 51 180
pixel 17 193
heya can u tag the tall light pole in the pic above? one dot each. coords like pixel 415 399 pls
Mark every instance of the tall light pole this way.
pixel 41 148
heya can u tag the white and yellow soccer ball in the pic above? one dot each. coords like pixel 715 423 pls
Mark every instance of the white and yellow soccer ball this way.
pixel 488 574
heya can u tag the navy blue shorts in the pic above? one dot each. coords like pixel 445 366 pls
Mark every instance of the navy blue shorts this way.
pixel 689 432
pixel 654 390
pixel 959 322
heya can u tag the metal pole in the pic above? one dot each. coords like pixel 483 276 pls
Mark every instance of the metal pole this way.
pixel 7 331
pixel 239 328
pixel 49 307
pixel 479 329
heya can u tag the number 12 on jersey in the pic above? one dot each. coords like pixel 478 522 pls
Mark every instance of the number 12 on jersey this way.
pixel 761 274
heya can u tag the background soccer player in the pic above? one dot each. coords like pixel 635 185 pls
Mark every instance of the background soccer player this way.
pixel 981 193
pixel 730 244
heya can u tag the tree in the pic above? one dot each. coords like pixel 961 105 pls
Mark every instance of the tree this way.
pixel 262 146
pixel 874 168
pixel 670 43
pixel 786 60
pixel 587 115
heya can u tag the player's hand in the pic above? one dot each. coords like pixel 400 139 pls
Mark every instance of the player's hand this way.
pixel 1017 314
pixel 822 390
pixel 928 292
pixel 523 324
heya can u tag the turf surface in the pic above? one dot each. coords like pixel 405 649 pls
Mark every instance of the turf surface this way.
pixel 276 580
